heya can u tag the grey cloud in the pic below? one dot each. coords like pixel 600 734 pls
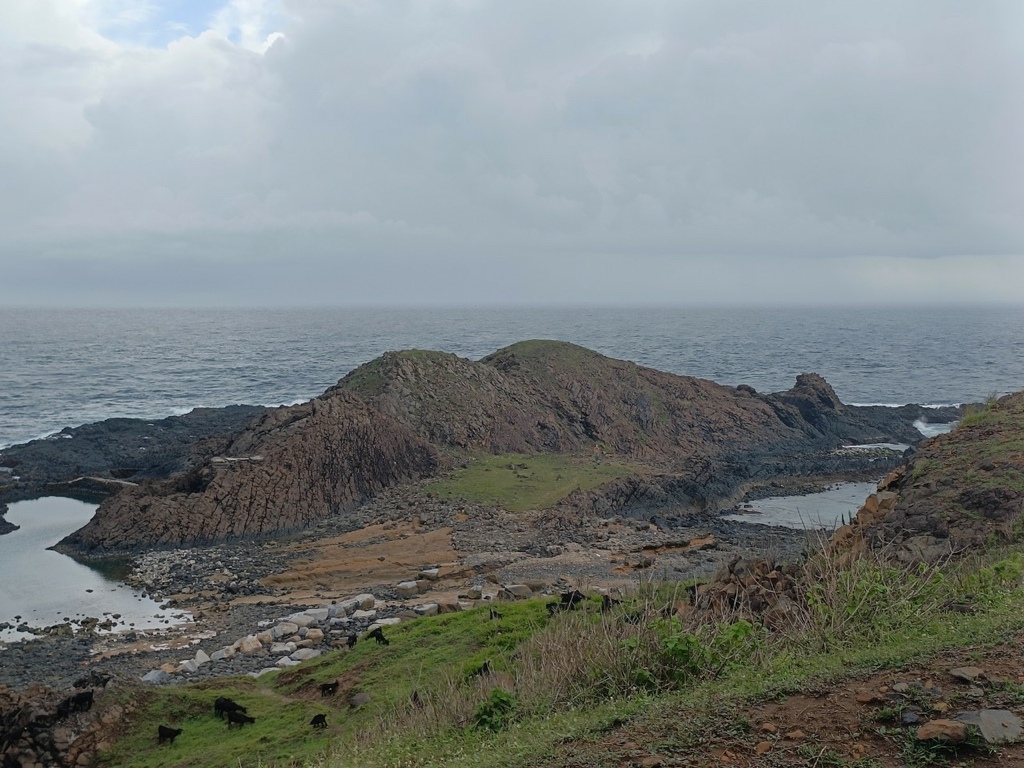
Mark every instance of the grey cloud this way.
pixel 438 150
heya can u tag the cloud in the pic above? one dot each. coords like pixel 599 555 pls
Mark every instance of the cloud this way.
pixel 449 148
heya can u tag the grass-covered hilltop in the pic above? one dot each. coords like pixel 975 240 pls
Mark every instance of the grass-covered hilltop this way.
pixel 898 641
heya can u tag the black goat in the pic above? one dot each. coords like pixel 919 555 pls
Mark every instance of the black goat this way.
pixel 237 718
pixel 378 635
pixel 319 721
pixel 495 614
pixel 483 671
pixel 352 640
pixel 94 679
pixel 571 599
pixel 224 705
pixel 329 689
pixel 80 702
pixel 166 733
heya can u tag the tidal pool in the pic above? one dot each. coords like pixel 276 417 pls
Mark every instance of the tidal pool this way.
pixel 814 511
pixel 40 587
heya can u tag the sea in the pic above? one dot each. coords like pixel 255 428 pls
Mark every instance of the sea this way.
pixel 66 367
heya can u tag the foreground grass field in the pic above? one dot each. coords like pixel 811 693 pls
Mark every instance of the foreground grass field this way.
pixel 520 482
pixel 570 678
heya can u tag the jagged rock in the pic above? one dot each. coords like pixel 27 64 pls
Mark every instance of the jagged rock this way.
pixel 304 654
pixel 201 657
pixel 430 574
pixel 519 591
pixel 364 615
pixel 427 609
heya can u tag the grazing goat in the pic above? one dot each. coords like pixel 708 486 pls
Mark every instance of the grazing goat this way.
pixel 319 721
pixel 608 602
pixel 329 689
pixel 378 635
pixel 572 599
pixel 166 733
pixel 80 702
pixel 222 705
pixel 495 614
pixel 237 718
pixel 352 640
pixel 483 671
pixel 94 679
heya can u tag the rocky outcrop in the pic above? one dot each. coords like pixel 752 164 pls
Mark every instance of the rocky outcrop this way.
pixel 696 444
pixel 5 526
pixel 293 466
pixel 119 449
pixel 959 492
pixel 44 727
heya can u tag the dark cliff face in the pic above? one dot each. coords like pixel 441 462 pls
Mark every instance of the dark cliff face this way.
pixel 133 449
pixel 293 466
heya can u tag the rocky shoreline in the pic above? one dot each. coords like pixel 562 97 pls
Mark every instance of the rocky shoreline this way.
pixel 234 591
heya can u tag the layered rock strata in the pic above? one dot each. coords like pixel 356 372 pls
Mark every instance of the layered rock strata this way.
pixel 289 468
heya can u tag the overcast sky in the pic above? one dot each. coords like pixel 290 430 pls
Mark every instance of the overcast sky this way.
pixel 257 152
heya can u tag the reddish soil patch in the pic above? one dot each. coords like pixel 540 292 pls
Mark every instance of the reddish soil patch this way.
pixel 855 722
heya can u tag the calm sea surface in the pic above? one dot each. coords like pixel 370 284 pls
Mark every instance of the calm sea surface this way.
pixel 66 368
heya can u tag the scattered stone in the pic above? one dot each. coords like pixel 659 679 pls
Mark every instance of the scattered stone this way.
pixel 763 747
pixel 430 574
pixel 967 674
pixel 304 654
pixel 943 731
pixel 427 609
pixel 795 735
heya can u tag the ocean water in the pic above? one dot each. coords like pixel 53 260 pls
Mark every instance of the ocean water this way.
pixel 61 368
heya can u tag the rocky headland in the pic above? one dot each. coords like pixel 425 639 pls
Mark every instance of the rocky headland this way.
pixel 229 474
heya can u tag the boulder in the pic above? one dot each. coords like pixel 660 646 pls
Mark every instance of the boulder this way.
pixel 284 629
pixel 157 677
pixel 304 654
pixel 430 574
pixel 366 601
pixel 407 589
pixel 427 609
pixel 366 615
pixel 249 645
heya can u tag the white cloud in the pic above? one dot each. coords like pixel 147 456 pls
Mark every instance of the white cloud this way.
pixel 376 144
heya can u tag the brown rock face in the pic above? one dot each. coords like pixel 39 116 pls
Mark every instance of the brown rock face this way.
pixel 961 491
pixel 554 396
pixel 291 467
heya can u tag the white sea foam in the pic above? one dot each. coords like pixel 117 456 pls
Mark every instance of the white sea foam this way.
pixel 931 430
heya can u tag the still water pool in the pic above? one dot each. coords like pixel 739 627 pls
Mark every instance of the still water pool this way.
pixel 41 588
